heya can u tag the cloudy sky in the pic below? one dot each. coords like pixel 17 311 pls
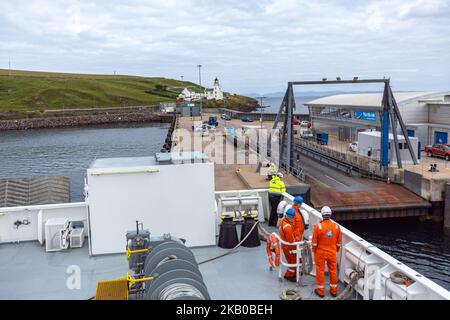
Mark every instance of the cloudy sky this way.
pixel 252 45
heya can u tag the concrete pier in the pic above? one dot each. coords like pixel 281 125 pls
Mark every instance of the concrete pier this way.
pixel 230 174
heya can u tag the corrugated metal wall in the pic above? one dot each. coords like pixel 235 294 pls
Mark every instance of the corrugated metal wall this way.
pixel 440 114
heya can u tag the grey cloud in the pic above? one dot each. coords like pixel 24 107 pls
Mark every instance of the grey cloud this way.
pixel 251 45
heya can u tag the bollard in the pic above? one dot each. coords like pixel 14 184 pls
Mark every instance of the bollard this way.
pixel 253 238
pixel 228 237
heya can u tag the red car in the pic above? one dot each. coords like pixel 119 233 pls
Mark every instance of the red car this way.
pixel 438 150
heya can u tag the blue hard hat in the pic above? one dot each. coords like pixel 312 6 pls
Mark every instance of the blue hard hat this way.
pixel 290 212
pixel 298 199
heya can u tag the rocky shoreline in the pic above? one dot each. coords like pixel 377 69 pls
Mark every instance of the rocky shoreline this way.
pixel 85 120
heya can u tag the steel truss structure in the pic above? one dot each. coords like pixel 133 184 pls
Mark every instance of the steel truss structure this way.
pixel 389 116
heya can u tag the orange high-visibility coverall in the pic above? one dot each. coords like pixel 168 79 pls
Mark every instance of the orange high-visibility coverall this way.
pixel 326 242
pixel 288 234
pixel 299 223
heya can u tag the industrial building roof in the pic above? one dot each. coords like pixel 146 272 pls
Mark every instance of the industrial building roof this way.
pixel 369 100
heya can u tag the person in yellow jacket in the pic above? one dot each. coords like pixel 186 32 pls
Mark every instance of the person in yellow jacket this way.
pixel 276 190
pixel 271 171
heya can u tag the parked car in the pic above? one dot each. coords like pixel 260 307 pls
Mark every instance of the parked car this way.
pixel 212 121
pixel 438 150
pixel 247 119
pixel 204 127
pixel 353 146
pixel 345 115
pixel 296 122
pixel 305 123
pixel 225 116
pixel 306 133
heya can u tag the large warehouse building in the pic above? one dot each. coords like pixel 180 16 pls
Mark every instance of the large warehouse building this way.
pixel 425 114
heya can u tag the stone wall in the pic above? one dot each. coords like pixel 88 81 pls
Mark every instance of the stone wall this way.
pixel 85 120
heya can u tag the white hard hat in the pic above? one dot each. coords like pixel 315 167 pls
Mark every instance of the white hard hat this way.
pixel 282 207
pixel 326 211
pixel 280 174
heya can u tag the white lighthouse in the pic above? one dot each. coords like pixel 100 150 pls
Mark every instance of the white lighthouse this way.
pixel 214 93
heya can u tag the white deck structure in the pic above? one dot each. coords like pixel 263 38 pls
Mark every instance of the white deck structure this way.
pixel 28 272
pixel 42 275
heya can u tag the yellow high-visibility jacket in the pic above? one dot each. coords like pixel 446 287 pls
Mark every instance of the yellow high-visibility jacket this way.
pixel 276 185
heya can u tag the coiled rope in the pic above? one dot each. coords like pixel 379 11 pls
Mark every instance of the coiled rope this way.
pixel 180 290
pixel 351 286
pixel 398 278
pixel 290 294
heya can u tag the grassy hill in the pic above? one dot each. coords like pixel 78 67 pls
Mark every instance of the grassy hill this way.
pixel 22 91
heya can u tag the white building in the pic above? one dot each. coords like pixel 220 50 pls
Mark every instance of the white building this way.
pixel 188 95
pixel 371 141
pixel 214 93
pixel 426 114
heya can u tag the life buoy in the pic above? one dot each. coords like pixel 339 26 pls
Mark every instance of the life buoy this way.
pixel 273 248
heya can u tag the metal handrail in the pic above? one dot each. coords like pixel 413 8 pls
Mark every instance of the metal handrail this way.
pixel 298 252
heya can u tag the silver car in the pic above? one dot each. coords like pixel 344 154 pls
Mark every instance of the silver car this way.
pixel 353 146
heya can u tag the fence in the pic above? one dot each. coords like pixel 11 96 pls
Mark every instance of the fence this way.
pixel 344 159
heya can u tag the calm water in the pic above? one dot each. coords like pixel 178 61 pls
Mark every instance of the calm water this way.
pixel 273 104
pixel 70 151
pixel 423 246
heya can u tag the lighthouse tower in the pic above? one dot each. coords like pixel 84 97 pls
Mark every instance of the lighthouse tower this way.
pixel 214 93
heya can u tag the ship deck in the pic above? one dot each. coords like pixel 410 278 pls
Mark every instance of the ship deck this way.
pixel 27 271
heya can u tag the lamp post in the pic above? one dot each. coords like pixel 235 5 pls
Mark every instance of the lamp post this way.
pixel 261 108
pixel 199 66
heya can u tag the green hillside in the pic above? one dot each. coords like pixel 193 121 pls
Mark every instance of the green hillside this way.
pixel 22 91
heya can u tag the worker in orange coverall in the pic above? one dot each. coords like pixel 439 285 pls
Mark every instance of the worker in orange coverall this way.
pixel 300 224
pixel 289 234
pixel 326 242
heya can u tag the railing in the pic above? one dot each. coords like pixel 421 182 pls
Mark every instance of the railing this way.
pixel 299 245
pixel 377 266
pixel 356 254
pixel 359 255
pixel 366 167
pixel 241 142
pixel 37 216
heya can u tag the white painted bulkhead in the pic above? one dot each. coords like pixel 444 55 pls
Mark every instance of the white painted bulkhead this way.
pixel 167 198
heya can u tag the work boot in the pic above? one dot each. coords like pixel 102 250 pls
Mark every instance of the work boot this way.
pixel 291 279
pixel 316 291
pixel 334 295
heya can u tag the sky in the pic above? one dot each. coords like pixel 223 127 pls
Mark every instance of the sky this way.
pixel 252 46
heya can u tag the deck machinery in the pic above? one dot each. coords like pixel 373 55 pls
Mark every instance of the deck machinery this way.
pixel 162 268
